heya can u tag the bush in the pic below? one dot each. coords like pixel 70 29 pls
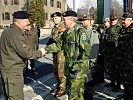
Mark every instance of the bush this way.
pixel 1 27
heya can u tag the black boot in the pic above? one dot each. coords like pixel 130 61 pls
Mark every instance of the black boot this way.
pixel 87 96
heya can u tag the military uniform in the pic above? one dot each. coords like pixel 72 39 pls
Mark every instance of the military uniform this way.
pixel 111 53
pixel 15 51
pixel 125 45
pixel 58 57
pixel 76 45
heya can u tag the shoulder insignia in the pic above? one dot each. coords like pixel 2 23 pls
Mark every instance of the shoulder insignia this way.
pixel 83 36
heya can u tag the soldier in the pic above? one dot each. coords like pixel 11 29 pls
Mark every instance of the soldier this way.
pixel 103 42
pixel 14 52
pixel 76 45
pixel 32 38
pixel 112 34
pixel 88 23
pixel 126 55
pixel 58 57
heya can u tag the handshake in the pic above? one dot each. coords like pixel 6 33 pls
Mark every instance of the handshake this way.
pixel 43 51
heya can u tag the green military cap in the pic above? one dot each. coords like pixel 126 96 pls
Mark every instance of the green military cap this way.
pixel 127 15
pixel 21 15
pixel 113 18
pixel 69 13
pixel 56 14
pixel 86 17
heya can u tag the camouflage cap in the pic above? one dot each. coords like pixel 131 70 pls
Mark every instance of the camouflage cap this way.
pixel 55 14
pixel 106 20
pixel 86 17
pixel 113 17
pixel 127 15
pixel 69 13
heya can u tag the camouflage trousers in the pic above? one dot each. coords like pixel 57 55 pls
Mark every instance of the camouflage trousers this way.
pixel 12 83
pixel 75 89
pixel 58 59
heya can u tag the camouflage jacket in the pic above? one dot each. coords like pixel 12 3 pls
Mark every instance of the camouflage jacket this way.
pixel 76 45
pixel 56 32
pixel 126 43
pixel 112 34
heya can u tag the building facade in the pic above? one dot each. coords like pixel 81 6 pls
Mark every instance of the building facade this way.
pixel 8 7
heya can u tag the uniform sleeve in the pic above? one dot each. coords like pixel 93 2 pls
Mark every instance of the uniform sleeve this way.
pixel 22 48
pixel 54 47
pixel 94 46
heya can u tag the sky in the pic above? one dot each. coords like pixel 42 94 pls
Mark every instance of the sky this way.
pixel 80 2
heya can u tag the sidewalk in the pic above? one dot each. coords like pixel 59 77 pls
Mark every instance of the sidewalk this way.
pixel 38 87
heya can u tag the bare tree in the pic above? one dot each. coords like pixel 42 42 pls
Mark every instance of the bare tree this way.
pixel 116 8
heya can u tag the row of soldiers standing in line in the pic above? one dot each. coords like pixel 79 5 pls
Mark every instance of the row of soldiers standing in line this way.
pixel 112 49
pixel 117 50
pixel 58 57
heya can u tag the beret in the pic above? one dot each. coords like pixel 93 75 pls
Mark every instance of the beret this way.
pixel 113 18
pixel 21 15
pixel 69 13
pixel 127 15
pixel 55 14
pixel 87 17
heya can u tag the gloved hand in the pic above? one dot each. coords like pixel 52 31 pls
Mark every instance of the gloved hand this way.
pixel 73 72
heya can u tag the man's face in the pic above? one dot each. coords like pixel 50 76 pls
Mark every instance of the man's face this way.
pixel 57 19
pixel 24 24
pixel 68 22
pixel 114 22
pixel 127 21
pixel 86 23
pixel 107 23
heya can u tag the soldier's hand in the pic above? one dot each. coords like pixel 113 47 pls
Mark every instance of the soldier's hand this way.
pixel 43 51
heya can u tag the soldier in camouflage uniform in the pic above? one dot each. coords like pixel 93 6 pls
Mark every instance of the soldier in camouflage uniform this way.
pixel 76 45
pixel 14 52
pixel 88 23
pixel 112 34
pixel 58 57
pixel 125 48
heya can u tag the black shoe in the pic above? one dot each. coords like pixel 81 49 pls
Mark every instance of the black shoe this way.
pixel 60 93
pixel 116 89
pixel 109 85
pixel 87 96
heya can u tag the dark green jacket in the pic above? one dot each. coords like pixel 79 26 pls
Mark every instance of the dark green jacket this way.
pixel 14 49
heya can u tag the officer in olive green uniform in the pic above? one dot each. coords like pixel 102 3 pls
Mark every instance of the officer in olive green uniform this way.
pixel 76 45
pixel 112 34
pixel 58 57
pixel 125 45
pixel 15 51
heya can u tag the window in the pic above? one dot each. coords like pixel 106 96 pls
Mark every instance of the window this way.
pixel 46 16
pixel 5 2
pixel 51 3
pixel 58 4
pixel 6 16
pixel 45 2
pixel 12 2
pixel 16 2
pixel 3 16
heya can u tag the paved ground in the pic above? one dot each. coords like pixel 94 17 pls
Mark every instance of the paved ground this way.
pixel 38 87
